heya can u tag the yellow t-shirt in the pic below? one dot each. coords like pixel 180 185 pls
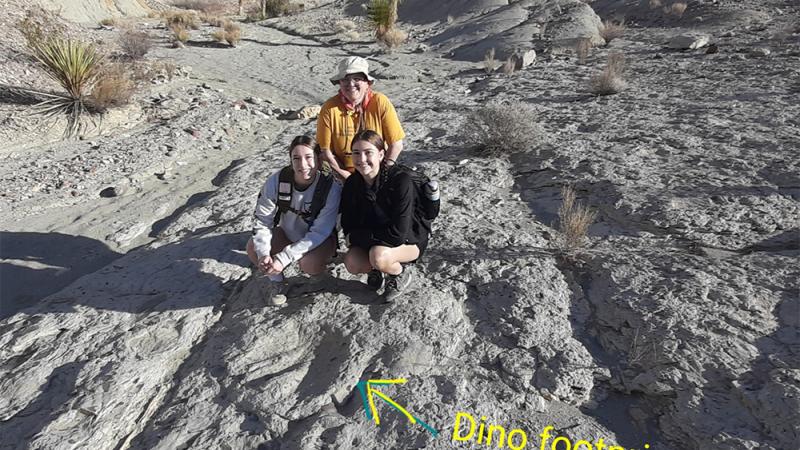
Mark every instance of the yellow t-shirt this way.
pixel 336 126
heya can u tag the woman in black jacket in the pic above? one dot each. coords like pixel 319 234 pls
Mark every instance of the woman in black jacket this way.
pixel 379 218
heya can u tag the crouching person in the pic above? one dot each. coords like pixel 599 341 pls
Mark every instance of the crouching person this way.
pixel 379 219
pixel 295 217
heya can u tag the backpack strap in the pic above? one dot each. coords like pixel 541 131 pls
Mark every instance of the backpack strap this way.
pixel 285 188
pixel 324 184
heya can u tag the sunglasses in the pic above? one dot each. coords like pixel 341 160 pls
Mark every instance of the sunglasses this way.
pixel 353 79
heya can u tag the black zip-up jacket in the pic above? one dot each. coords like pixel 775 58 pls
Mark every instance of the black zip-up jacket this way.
pixel 384 213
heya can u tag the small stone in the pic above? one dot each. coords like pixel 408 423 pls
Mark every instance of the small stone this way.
pixel 689 41
pixel 712 49
pixel 254 100
pixel 278 300
pixel 760 52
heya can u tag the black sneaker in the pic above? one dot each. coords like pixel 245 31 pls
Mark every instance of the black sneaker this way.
pixel 375 279
pixel 397 284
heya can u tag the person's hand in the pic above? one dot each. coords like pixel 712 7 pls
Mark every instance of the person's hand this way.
pixel 275 267
pixel 264 263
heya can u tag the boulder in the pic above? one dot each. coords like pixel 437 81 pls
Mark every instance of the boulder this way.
pixel 688 41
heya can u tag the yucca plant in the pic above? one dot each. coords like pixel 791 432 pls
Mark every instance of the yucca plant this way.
pixel 73 64
pixel 383 15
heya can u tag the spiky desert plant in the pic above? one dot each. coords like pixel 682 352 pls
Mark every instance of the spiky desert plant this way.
pixel 609 80
pixel 574 220
pixel 609 30
pixel 379 13
pixel 73 64
pixel 502 129
pixel 489 63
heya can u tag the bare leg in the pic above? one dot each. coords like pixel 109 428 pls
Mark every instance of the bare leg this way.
pixel 356 260
pixel 388 259
pixel 314 262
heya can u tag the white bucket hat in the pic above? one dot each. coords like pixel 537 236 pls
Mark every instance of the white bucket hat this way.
pixel 353 64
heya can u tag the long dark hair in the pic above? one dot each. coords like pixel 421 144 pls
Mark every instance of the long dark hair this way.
pixel 375 139
pixel 307 141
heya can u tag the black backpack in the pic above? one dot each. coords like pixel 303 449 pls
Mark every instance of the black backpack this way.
pixel 427 207
pixel 286 187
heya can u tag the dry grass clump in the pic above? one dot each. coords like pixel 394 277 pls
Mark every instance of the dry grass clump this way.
pixel 352 35
pixel 185 19
pixel 214 21
pixel 113 88
pixel 582 47
pixel 574 220
pixel 655 4
pixel 135 44
pixel 676 9
pixel 489 63
pixel 230 33
pixel 180 35
pixel 610 30
pixel 610 80
pixel 510 65
pixel 344 26
pixel 393 38
pixel 108 22
pixel 499 129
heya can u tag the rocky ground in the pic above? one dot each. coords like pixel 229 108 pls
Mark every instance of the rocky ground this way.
pixel 132 320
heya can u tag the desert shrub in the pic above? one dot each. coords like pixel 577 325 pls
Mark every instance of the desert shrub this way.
pixel 233 34
pixel 74 65
pixel 343 26
pixel 510 65
pixel 609 80
pixel 274 8
pixel 179 34
pixel 654 4
pixel 503 129
pixel 610 30
pixel 113 88
pixel 352 35
pixel 393 38
pixel 135 44
pixel 185 19
pixel 214 21
pixel 582 47
pixel 676 9
pixel 574 220
pixel 381 16
pixel 109 22
pixel 218 35
pixel 489 63
pixel 39 25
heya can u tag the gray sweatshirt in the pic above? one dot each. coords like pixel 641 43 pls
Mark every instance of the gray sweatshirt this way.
pixel 303 237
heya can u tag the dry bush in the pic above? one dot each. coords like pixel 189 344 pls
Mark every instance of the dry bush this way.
pixel 510 65
pixel 108 22
pixel 186 19
pixel 393 38
pixel 343 26
pixel 352 35
pixel 179 34
pixel 40 24
pixel 135 44
pixel 233 34
pixel 214 21
pixel 274 8
pixel 574 220
pixel 499 129
pixel 655 4
pixel 610 80
pixel 218 35
pixel 676 9
pixel 113 88
pixel 582 47
pixel 610 30
pixel 489 63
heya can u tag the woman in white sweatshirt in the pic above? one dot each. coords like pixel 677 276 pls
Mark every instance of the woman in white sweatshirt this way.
pixel 295 215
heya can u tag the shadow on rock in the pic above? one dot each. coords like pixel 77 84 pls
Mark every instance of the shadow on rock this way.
pixel 35 265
